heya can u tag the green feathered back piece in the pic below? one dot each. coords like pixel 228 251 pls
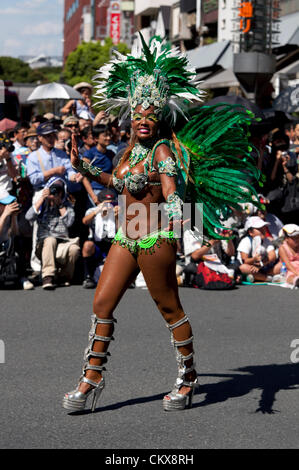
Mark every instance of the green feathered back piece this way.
pixel 222 171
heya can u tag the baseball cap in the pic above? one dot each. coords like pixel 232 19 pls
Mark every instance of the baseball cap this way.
pixel 292 230
pixel 6 198
pixel 107 195
pixel 255 222
pixel 46 128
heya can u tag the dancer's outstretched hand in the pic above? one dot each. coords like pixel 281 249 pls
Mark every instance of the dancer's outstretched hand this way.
pixel 74 152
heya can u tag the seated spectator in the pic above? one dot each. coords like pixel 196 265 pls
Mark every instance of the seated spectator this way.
pixel 54 215
pixel 195 252
pixel 102 222
pixel 9 231
pixel 100 157
pixel 256 253
pixel 289 253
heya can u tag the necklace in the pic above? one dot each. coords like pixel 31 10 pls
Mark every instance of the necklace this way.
pixel 140 152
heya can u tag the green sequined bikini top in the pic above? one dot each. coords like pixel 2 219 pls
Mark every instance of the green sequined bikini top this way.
pixel 136 182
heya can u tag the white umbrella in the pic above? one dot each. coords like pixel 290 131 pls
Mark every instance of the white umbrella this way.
pixel 54 91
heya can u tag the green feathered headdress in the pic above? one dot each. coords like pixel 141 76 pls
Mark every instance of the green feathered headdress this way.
pixel 150 75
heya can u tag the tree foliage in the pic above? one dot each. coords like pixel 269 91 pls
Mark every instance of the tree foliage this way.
pixel 83 63
pixel 18 71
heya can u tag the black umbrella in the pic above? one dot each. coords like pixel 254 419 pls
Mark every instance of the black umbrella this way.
pixel 235 99
pixel 288 100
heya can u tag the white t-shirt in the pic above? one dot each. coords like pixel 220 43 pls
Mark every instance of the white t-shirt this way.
pixel 249 246
pixel 102 226
pixel 191 243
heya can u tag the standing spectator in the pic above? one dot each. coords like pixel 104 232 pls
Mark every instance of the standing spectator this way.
pixel 63 138
pixel 101 157
pixel 37 120
pixel 84 121
pixel 20 132
pixel 48 161
pixel 88 140
pixel 115 135
pixel 31 139
pixel 72 123
pixel 54 215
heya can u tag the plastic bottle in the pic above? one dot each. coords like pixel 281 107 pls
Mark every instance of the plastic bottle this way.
pixel 283 272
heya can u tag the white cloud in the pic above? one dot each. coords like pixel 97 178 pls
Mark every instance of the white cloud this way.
pixel 10 11
pixel 46 28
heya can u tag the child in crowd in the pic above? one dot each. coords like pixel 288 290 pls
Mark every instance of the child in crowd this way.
pixel 289 253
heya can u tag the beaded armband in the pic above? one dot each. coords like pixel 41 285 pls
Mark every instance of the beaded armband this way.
pixel 173 206
pixel 167 167
pixel 86 168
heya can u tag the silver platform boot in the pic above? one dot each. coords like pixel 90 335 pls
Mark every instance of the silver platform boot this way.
pixel 76 400
pixel 175 400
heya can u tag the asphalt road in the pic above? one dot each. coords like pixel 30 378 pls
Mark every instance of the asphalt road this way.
pixel 248 397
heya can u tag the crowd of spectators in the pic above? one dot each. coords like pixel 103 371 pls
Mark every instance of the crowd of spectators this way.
pixel 56 226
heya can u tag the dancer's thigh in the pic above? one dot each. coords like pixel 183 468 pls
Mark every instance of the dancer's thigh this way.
pixel 159 273
pixel 120 270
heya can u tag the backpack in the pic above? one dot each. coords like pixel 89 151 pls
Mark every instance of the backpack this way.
pixel 208 279
pixel 8 263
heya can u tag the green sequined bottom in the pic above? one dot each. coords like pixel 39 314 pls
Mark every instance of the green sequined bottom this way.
pixel 145 244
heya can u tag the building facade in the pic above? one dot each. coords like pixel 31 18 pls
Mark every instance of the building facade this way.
pixel 95 20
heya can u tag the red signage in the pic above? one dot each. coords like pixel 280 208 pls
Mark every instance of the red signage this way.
pixel 115 22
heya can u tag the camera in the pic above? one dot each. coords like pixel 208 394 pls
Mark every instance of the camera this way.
pixel 54 190
pixel 6 143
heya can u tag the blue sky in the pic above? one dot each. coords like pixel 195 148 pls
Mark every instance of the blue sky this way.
pixel 31 27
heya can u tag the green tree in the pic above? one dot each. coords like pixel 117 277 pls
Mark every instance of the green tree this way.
pixel 83 63
pixel 15 70
pixel 18 71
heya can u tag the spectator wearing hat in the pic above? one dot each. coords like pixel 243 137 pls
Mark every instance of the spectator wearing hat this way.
pixel 72 123
pixel 31 139
pixel 54 215
pixel 76 107
pixel 275 224
pixel 289 253
pixel 9 232
pixel 102 223
pixel 48 161
pixel 256 253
